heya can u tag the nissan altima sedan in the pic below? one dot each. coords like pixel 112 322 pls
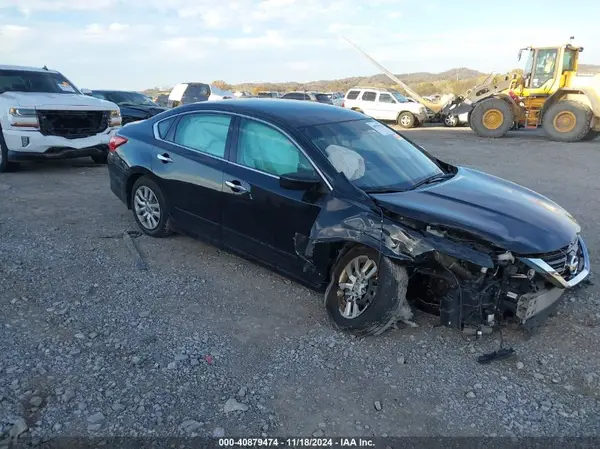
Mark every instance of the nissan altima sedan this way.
pixel 350 207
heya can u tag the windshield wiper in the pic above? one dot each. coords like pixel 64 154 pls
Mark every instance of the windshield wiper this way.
pixel 432 179
pixel 383 190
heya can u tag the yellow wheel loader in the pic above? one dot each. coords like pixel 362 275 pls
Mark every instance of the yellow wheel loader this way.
pixel 547 94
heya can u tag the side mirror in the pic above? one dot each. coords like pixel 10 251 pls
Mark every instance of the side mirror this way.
pixel 86 91
pixel 298 181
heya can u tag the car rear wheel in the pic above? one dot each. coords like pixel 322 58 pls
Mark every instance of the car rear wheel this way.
pixel 150 208
pixel 365 292
pixel 407 120
pixel 451 121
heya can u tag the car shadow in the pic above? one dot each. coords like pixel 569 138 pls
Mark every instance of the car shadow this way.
pixel 50 166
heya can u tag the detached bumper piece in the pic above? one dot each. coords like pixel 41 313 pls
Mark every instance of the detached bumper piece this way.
pixel 562 270
pixel 58 153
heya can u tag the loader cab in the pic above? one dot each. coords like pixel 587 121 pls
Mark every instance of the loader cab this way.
pixel 547 69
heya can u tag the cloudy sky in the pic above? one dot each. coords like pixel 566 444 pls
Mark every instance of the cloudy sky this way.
pixel 136 44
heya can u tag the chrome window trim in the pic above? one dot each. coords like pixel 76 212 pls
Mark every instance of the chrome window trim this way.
pixel 237 114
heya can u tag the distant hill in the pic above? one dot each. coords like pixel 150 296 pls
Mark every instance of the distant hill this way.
pixel 589 68
pixel 454 81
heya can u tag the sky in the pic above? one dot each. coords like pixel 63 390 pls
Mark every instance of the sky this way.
pixel 138 44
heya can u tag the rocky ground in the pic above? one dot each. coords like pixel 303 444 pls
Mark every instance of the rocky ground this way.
pixel 194 341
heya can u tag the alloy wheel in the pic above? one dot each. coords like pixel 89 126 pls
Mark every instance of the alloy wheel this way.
pixel 357 286
pixel 147 207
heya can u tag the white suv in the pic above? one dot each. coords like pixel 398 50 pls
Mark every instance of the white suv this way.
pixel 44 116
pixel 386 105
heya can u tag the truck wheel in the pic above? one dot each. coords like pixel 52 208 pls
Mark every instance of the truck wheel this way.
pixel 406 120
pixel 363 298
pixel 492 118
pixel 5 165
pixel 567 121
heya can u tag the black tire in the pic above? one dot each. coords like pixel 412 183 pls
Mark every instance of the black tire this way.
pixel 163 228
pixel 570 109
pixel 591 135
pixel 482 122
pixel 5 166
pixel 100 159
pixel 386 304
pixel 406 120
pixel 451 121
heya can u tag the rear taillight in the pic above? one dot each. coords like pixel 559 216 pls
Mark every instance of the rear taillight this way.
pixel 115 142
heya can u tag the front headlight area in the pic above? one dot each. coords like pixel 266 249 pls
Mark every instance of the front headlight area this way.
pixel 23 118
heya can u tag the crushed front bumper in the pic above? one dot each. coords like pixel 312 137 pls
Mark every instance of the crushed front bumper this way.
pixel 535 306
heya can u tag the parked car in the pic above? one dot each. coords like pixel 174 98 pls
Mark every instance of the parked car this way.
pixel 308 96
pixel 386 105
pixel 269 94
pixel 186 93
pixel 134 106
pixel 336 98
pixel 349 206
pixel 44 116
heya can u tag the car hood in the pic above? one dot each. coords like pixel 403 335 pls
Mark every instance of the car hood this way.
pixel 503 213
pixel 152 110
pixel 38 100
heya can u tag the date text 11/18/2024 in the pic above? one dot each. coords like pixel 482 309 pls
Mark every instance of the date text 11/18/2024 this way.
pixel 296 442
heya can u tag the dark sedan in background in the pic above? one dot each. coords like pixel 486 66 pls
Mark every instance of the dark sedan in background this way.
pixel 349 206
pixel 134 106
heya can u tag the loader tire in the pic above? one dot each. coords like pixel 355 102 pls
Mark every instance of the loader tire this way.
pixel 567 121
pixel 492 118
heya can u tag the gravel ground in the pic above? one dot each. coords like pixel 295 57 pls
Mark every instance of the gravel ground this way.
pixel 205 343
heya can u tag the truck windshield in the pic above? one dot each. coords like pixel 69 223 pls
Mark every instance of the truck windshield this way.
pixel 380 160
pixel 39 82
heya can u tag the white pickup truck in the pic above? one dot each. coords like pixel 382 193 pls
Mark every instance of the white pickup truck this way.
pixel 44 116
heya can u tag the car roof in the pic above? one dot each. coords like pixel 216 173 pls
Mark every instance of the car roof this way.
pixel 293 113
pixel 26 68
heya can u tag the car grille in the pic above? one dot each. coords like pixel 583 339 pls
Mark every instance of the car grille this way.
pixel 560 259
pixel 72 124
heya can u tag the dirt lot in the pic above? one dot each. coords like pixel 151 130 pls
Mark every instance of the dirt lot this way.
pixel 92 345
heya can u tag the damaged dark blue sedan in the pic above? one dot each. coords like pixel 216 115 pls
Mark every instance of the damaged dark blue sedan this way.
pixel 347 205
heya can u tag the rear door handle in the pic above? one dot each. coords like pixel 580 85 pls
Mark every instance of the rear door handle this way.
pixel 164 158
pixel 236 186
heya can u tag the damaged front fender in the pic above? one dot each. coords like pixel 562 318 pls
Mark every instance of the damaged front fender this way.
pixel 355 221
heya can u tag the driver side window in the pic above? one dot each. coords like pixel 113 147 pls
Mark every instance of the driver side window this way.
pixel 265 149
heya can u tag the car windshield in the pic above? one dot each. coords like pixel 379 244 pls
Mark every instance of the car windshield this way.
pixel 134 98
pixel 372 156
pixel 39 82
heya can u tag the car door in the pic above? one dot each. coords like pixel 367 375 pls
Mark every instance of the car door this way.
pixel 190 160
pixel 368 104
pixel 260 218
pixel 386 107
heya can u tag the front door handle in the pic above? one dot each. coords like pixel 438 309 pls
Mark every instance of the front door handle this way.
pixel 236 186
pixel 164 158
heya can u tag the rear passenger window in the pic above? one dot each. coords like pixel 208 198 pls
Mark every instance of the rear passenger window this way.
pixel 206 133
pixel 164 126
pixel 369 96
pixel 352 95
pixel 385 98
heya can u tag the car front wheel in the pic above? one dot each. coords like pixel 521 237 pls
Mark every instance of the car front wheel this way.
pixel 366 293
pixel 407 120
pixel 150 208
